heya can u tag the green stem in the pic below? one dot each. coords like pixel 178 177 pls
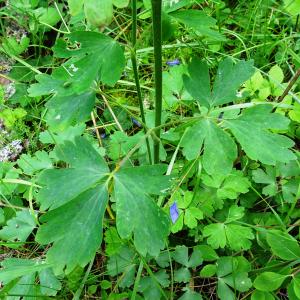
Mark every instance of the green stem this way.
pixel 157 43
pixel 137 281
pixel 136 74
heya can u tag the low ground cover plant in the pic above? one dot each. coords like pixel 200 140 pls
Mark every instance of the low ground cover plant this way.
pixel 149 149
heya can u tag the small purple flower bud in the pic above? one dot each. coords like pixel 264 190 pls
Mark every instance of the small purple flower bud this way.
pixel 174 62
pixel 174 213
pixel 136 122
pixel 103 135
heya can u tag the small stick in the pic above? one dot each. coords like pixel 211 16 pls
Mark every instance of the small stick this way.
pixel 112 113
pixel 290 85
pixel 96 129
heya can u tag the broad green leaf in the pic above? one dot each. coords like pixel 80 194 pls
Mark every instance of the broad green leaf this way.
pixel 208 271
pixel 192 214
pixel 216 235
pixel 32 164
pixel 14 268
pixel 239 281
pixel 230 187
pixel 59 137
pixel 239 237
pixel 98 13
pixel 276 74
pixel 181 256
pixel 219 148
pixel 87 168
pixel 137 212
pixel 283 245
pixel 266 177
pixel 75 6
pixel 190 295
pixel 18 228
pixel 296 283
pixel 230 264
pixel 113 242
pixel 68 110
pixel 224 292
pixel 230 77
pixel 207 252
pixel 259 295
pixel 269 281
pixel 198 81
pixel 232 272
pixel 102 51
pixel 92 56
pixel 251 129
pixel 122 261
pixel 83 217
pixel 148 285
pixel 173 88
pixel 20 277
pixel 120 3
pixel 49 283
pixel 182 275
pixel 199 21
pixel 2 216
pixel 235 213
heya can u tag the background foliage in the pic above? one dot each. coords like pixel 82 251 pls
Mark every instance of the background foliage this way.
pixel 86 214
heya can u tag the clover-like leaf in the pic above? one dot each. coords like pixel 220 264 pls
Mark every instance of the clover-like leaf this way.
pixel 236 237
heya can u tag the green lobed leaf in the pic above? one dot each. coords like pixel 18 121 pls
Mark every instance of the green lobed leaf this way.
pixel 199 21
pixel 137 213
pixel 83 218
pixel 32 164
pixel 87 168
pixel 229 78
pixel 251 129
pixel 219 148
pixel 236 237
pixel 68 110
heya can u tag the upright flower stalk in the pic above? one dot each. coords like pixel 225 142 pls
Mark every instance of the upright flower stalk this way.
pixel 136 75
pixel 157 43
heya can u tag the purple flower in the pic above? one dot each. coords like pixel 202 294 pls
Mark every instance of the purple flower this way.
pixel 136 122
pixel 103 135
pixel 174 213
pixel 174 62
